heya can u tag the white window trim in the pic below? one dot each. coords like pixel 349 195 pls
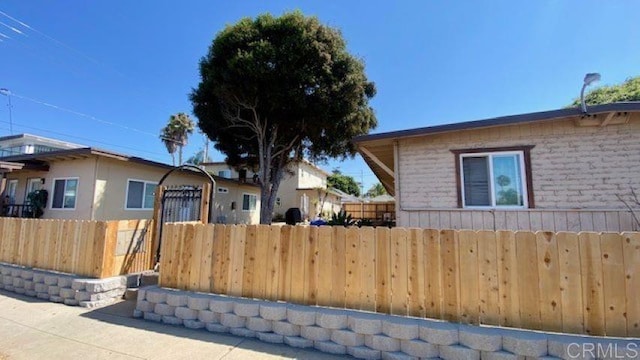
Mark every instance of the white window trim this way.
pixel 53 191
pixel 489 155
pixel 126 194
pixel 242 204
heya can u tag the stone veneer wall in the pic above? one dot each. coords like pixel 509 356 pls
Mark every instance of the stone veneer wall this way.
pixel 60 287
pixel 365 335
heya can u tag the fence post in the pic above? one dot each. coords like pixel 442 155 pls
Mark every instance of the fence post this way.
pixel 204 203
pixel 157 223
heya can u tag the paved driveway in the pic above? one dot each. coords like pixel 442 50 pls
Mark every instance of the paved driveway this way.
pixel 33 329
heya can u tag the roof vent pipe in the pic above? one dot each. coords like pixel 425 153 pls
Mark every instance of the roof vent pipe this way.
pixel 588 80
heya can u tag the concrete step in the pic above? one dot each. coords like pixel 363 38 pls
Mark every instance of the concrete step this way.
pixel 149 279
pixel 131 294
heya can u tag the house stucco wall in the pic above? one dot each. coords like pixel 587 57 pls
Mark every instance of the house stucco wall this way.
pixel 573 167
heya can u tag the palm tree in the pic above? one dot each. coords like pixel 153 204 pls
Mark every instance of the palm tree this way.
pixel 175 135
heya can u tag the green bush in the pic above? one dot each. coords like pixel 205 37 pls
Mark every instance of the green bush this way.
pixel 38 201
pixel 341 219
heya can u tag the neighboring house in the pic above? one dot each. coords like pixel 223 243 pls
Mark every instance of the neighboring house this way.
pixel 554 170
pixel 92 184
pixel 303 186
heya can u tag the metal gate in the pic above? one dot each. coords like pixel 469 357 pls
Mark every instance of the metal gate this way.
pixel 181 203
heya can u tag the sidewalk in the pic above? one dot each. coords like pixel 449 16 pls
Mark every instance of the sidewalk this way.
pixel 33 329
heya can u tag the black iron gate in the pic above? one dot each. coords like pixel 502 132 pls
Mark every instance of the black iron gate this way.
pixel 181 203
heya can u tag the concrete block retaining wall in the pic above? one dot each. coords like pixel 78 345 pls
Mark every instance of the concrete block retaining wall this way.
pixel 367 335
pixel 60 287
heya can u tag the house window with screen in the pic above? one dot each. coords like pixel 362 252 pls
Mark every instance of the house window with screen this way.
pixel 225 174
pixel 249 202
pixel 493 179
pixel 65 192
pixel 140 195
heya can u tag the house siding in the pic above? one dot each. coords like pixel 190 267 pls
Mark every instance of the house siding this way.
pixel 573 167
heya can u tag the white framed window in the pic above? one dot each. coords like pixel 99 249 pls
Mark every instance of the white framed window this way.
pixel 493 179
pixel 12 186
pixel 65 193
pixel 33 184
pixel 249 202
pixel 223 190
pixel 225 174
pixel 140 194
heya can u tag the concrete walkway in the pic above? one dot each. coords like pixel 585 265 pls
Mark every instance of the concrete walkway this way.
pixel 33 329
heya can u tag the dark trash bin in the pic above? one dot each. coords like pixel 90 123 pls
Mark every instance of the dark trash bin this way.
pixel 293 216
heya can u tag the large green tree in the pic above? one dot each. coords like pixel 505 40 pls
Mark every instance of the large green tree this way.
pixel 175 134
pixel 629 90
pixel 342 182
pixel 376 190
pixel 275 90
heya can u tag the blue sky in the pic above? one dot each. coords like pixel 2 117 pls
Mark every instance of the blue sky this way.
pixel 128 65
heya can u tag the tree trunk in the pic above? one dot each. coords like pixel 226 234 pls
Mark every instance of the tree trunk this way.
pixel 173 159
pixel 269 194
pixel 180 155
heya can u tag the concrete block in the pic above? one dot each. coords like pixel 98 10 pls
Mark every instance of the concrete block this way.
pixel 171 320
pixel 332 319
pixel 29 285
pixel 298 342
pixel 38 277
pixel 71 302
pixel 97 303
pixel 419 348
pixel 41 288
pixel 207 316
pixel 102 285
pixel 273 311
pixel 7 280
pixel 5 270
pixel 315 333
pixel 9 288
pixel 285 328
pixel 51 279
pixel 568 347
pixel 176 299
pixel 111 294
pixel 65 281
pixel 221 305
pixel 303 316
pixel 42 295
pixel 399 328
pixel 458 352
pixel 198 302
pixel 185 313
pixel 270 337
pixel 244 332
pixel 1 285
pixel 259 324
pixel 347 338
pixel 217 328
pixel 193 324
pixel 53 290
pixel 15 271
pixel 142 294
pixel 31 293
pixel 246 308
pixel 20 290
pixel 157 296
pixel 56 298
pixel 397 355
pixel 68 293
pixel 382 343
pixel 524 343
pixel 232 320
pixel 26 274
pixel 79 284
pixel 164 310
pixel 439 333
pixel 18 282
pixel 137 313
pixel 152 317
pixel 480 338
pixel 546 358
pixel 363 352
pixel 330 347
pixel 499 355
pixel 366 324
pixel 146 306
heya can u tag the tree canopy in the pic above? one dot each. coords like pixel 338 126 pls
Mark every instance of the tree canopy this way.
pixel 275 90
pixel 342 182
pixel 376 190
pixel 629 90
pixel 175 134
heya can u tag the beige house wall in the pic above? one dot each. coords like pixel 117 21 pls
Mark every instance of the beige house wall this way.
pixel 224 211
pixel 572 167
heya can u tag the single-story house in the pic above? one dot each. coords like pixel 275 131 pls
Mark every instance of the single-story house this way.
pixel 93 184
pixel 553 170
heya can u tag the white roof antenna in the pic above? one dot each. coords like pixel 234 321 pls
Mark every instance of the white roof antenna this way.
pixel 588 80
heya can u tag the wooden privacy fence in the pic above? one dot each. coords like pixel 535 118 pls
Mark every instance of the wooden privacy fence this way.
pixel 567 282
pixel 87 248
